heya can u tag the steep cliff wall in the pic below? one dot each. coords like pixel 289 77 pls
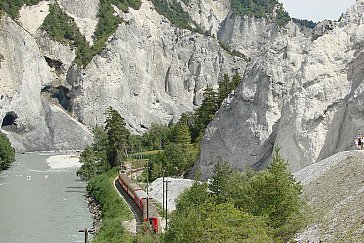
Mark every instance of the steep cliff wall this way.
pixel 27 117
pixel 303 96
pixel 150 71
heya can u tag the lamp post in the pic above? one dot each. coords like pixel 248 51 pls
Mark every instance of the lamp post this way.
pixel 167 181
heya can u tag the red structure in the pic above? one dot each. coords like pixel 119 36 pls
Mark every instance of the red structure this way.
pixel 147 208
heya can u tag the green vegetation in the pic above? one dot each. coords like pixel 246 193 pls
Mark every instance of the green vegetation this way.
pixel 12 7
pixel 261 206
pixel 173 11
pixel 251 207
pixel 7 153
pixel 62 28
pixel 118 136
pixel 181 142
pixel 270 9
pixel 109 148
pixel 114 209
pixel 305 23
pixel 172 150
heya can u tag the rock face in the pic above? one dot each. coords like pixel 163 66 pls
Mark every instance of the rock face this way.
pixel 150 71
pixel 85 15
pixel 30 122
pixel 303 96
pixel 296 92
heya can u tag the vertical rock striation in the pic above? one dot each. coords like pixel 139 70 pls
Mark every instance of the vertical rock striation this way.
pixel 151 71
pixel 303 96
pixel 23 74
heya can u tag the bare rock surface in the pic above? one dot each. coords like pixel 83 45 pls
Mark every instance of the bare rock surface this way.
pixel 28 118
pixel 334 190
pixel 85 15
pixel 303 96
pixel 151 71
pixel 32 17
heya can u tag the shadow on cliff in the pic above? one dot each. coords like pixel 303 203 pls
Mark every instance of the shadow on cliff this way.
pixel 349 122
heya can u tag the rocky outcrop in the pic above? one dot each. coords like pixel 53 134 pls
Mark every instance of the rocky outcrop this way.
pixel 246 34
pixel 303 96
pixel 85 15
pixel 30 122
pixel 151 71
pixel 208 14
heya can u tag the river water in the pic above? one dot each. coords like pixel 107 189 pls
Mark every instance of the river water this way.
pixel 40 204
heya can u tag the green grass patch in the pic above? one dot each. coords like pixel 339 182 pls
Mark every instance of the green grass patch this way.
pixel 137 163
pixel 62 28
pixel 149 152
pixel 114 209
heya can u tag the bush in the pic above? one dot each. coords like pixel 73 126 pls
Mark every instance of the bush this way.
pixel 198 218
pixel 272 194
pixel 114 209
pixel 174 12
pixel 7 153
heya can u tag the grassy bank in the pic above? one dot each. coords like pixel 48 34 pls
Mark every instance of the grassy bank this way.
pixel 114 209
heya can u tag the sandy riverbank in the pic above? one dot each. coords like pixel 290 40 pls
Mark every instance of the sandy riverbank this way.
pixel 64 161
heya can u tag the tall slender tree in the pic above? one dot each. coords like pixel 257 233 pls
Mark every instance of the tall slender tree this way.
pixel 118 136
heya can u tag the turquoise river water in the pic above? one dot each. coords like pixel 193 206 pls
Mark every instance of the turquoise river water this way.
pixel 40 204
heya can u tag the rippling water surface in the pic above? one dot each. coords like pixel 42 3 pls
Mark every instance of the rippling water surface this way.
pixel 40 204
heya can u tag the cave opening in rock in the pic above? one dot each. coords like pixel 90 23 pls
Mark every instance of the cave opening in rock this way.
pixel 62 95
pixel 9 119
pixel 57 65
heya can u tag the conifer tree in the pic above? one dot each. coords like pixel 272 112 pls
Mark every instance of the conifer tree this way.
pixel 205 113
pixel 118 136
pixel 224 88
pixel 219 185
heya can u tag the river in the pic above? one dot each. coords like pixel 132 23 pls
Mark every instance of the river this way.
pixel 40 204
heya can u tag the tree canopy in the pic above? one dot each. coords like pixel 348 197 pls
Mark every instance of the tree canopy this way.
pixel 271 9
pixel 7 153
pixel 240 207
pixel 109 148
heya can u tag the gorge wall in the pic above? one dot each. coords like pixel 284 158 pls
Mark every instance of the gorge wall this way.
pixel 304 96
pixel 150 71
pixel 301 90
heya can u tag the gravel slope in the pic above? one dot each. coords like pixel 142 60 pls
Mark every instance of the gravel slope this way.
pixel 334 188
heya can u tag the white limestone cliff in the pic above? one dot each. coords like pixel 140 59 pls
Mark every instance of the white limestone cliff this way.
pixel 151 71
pixel 23 74
pixel 304 97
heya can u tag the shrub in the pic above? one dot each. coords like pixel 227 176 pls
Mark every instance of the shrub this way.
pixel 7 153
pixel 114 209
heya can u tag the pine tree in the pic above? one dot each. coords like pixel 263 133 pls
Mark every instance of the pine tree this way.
pixel 118 136
pixel 235 82
pixel 206 112
pixel 219 185
pixel 276 195
pixel 224 89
